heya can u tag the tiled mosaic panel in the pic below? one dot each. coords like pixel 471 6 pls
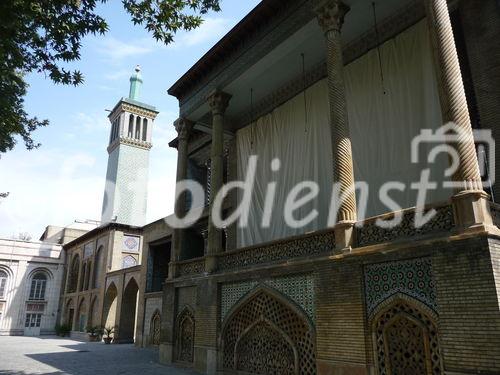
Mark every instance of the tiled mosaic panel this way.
pixel 412 277
pixel 300 289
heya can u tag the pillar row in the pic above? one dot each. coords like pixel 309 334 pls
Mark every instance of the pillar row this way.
pixel 218 102
pixel 183 128
pixel 453 99
pixel 470 202
pixel 330 16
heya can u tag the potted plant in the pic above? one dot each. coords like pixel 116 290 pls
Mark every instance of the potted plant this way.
pixel 108 334
pixel 94 333
pixel 62 330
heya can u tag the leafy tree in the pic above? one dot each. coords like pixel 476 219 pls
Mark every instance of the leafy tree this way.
pixel 41 36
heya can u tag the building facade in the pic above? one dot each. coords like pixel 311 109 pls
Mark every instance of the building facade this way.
pixel 103 267
pixel 125 194
pixel 31 274
pixel 336 96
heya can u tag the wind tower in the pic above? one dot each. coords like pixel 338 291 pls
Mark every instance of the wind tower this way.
pixel 126 189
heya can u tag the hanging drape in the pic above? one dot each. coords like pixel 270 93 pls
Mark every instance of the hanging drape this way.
pixel 381 125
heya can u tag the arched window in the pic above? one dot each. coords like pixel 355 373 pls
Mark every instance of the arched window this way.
pixel 87 276
pixel 130 133
pixel 84 275
pixel 97 267
pixel 3 284
pixel 129 261
pixel 138 128
pixel 115 128
pixel 73 275
pixel 38 286
pixel 145 129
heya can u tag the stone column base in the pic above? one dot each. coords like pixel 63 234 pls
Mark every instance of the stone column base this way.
pixel 166 353
pixel 344 236
pixel 210 263
pixel 472 211
pixel 171 270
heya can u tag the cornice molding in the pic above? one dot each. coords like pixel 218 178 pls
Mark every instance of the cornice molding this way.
pixel 136 110
pixel 130 142
pixel 286 21
pixel 388 28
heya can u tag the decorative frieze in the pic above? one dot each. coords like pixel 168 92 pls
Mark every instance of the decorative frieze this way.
pixel 410 277
pixel 131 142
pixel 307 245
pixel 190 267
pixel 136 110
pixel 371 233
pixel 299 289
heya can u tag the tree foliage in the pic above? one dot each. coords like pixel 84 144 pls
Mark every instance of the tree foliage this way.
pixel 42 36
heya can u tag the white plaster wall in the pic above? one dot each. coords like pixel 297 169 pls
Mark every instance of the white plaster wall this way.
pixel 21 260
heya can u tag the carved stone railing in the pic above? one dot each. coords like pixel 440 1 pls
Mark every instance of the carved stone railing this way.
pixel 495 213
pixel 370 233
pixel 312 244
pixel 190 267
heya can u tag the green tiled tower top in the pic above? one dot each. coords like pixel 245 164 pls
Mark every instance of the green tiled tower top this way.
pixel 135 84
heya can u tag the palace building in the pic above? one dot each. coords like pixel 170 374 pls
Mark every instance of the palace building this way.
pixel 31 274
pixel 334 92
pixel 102 279
pixel 301 102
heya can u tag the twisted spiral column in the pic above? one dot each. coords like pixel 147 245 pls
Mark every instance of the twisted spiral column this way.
pixel 183 128
pixel 331 18
pixel 452 94
pixel 218 102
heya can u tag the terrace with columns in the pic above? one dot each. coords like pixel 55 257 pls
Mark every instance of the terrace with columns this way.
pixel 337 92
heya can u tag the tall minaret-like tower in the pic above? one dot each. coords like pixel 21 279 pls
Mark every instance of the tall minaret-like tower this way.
pixel 126 190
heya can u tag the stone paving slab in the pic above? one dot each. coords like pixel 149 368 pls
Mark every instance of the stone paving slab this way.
pixel 22 355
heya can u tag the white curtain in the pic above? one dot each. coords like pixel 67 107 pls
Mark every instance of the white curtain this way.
pixel 382 126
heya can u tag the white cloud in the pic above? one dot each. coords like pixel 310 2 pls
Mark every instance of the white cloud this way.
pixel 48 187
pixel 118 74
pixel 96 123
pixel 210 30
pixel 115 51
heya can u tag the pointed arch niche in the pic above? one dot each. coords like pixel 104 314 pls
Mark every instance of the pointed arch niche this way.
pixel 155 328
pixel 265 333
pixel 184 336
pixel 405 338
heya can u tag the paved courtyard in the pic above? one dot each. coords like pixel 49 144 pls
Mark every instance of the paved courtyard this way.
pixel 57 356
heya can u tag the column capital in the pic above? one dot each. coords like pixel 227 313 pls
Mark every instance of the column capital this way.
pixel 330 14
pixel 218 101
pixel 183 127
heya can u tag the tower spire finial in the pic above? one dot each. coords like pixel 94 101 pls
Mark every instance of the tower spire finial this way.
pixel 135 84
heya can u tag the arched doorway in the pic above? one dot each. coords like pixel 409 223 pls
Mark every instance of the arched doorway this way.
pixel 127 315
pixel 405 338
pixel 267 334
pixel 184 333
pixel 94 319
pixel 82 316
pixel 109 309
pixel 69 313
pixel 154 329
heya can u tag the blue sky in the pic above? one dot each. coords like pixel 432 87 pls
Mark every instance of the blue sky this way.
pixel 64 179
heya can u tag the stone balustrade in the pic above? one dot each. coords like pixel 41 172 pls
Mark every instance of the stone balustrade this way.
pixel 322 242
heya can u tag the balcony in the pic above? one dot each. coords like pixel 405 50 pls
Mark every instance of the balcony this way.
pixel 369 236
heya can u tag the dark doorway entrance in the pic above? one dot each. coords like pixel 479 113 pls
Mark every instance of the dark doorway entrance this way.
pixel 126 332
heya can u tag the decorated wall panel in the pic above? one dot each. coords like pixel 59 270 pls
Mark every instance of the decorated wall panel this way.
pixel 300 289
pixel 411 277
